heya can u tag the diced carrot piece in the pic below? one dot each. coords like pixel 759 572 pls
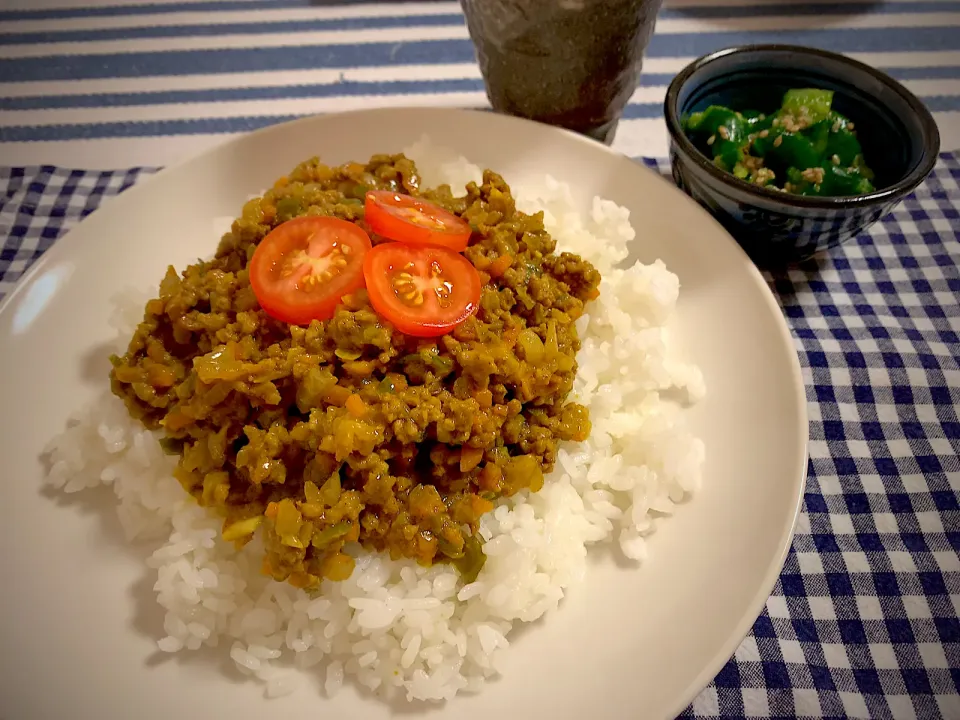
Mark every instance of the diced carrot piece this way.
pixel 356 406
pixel 480 506
pixel 499 266
pixel 337 395
pixel 470 458
pixel 490 478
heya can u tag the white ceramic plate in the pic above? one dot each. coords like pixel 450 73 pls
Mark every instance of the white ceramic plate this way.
pixel 79 622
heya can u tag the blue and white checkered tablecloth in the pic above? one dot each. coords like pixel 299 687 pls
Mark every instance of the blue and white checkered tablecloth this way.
pixel 865 619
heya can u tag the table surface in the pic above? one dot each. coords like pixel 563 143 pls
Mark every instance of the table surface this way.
pixel 863 622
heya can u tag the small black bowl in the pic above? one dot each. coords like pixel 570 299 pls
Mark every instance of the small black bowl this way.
pixel 898 134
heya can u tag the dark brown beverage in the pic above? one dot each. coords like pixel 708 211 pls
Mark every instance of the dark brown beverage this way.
pixel 572 63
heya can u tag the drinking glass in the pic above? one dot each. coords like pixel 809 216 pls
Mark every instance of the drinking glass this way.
pixel 572 63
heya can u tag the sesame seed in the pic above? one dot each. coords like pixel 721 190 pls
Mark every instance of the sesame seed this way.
pixel 813 175
pixel 711 140
pixel 835 159
pixel 764 133
pixel 724 133
pixel 764 175
pixel 778 141
pixel 850 126
pixel 792 124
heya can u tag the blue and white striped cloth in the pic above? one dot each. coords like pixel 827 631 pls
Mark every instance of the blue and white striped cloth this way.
pixel 123 84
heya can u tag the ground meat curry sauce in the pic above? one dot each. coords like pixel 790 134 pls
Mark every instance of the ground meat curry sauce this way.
pixel 347 430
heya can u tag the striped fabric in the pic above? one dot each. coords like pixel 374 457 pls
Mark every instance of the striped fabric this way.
pixel 123 84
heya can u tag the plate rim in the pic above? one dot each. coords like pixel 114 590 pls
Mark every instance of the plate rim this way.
pixel 775 566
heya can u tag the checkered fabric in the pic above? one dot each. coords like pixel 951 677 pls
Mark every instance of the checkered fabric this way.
pixel 39 204
pixel 864 621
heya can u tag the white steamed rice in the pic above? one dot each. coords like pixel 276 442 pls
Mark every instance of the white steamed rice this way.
pixel 395 627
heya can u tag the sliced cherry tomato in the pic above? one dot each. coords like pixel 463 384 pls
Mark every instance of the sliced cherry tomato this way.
pixel 407 219
pixel 423 291
pixel 302 268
